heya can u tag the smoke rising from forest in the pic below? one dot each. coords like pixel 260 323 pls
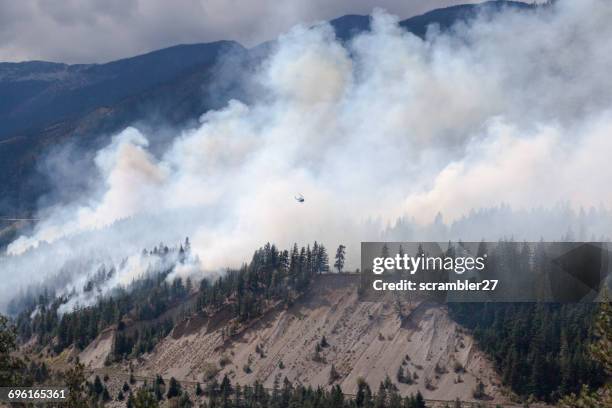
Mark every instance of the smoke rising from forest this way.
pixel 513 110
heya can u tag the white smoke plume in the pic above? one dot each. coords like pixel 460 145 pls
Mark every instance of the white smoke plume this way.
pixel 513 110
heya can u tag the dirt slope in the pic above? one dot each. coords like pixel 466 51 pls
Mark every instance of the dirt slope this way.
pixel 94 355
pixel 366 339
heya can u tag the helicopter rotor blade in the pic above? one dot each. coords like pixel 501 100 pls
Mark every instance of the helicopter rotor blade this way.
pixel 12 219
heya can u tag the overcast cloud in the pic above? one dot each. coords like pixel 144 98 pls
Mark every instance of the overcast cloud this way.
pixel 83 31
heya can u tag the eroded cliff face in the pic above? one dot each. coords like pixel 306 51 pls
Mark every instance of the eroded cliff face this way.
pixel 367 339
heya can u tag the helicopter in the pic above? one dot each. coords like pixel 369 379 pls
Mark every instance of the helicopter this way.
pixel 14 219
pixel 299 198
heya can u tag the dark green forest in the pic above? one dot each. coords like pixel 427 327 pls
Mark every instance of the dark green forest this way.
pixel 539 349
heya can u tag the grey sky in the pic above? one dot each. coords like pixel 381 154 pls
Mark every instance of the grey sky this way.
pixel 79 31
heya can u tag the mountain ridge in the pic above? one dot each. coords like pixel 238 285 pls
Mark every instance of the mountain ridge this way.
pixel 50 104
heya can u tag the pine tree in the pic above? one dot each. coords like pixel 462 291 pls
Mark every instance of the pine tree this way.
pixel 225 389
pixel 479 391
pixel 158 391
pixel 381 397
pixel 185 401
pixel 363 389
pixel 97 386
pixel 174 388
pixel 385 251
pixel 395 400
pixel 420 401
pixel 238 396
pixel 400 375
pixel 144 399
pixel 130 401
pixel 340 256
pixel 322 260
pixel 105 394
pixel 333 374
pixel 74 379
pixel 337 398
pixel 601 351
pixel 293 265
pixel 10 366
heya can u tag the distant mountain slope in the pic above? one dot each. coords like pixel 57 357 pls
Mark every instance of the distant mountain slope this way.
pixel 41 92
pixel 44 104
pixel 445 18
pixel 49 104
pixel 350 25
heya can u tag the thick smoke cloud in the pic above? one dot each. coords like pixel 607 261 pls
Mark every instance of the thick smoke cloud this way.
pixel 385 127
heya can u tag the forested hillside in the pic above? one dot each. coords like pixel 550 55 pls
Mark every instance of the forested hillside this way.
pixel 272 276
pixel 540 350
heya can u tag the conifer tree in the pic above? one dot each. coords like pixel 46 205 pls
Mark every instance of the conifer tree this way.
pixel 333 374
pixel 174 388
pixel 97 386
pixel 10 366
pixel 322 260
pixel 601 351
pixel 340 256
pixel 144 399
pixel 363 391
pixel 105 394
pixel 74 379
pixel 420 401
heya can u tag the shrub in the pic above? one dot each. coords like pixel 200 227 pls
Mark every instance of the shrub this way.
pixel 210 371
pixel 479 391
pixel 224 360
pixel 324 342
pixel 333 374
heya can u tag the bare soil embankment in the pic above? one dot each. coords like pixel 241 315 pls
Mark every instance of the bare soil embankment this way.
pixel 365 339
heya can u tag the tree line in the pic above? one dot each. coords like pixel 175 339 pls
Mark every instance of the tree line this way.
pixel 224 394
pixel 540 350
pixel 272 276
